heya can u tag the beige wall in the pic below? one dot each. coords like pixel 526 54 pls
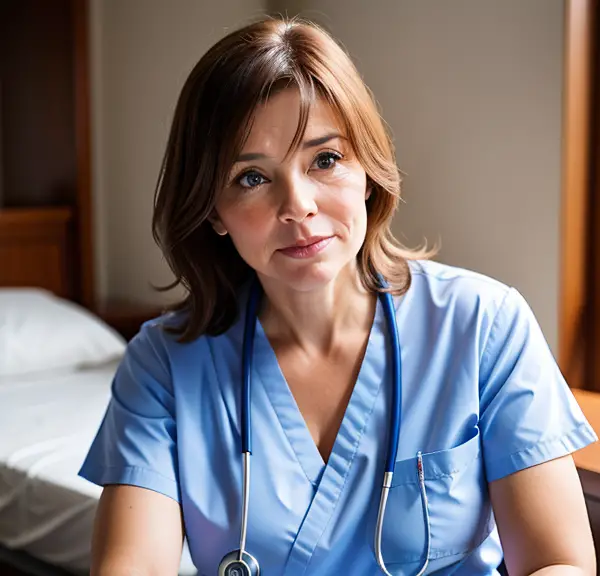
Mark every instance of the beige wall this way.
pixel 142 51
pixel 470 88
pixel 472 92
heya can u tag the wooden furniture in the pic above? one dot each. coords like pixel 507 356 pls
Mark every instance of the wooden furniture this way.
pixel 45 165
pixel 589 458
pixel 594 219
pixel 588 462
pixel 45 147
pixel 125 316
pixel 579 314
pixel 572 346
pixel 35 249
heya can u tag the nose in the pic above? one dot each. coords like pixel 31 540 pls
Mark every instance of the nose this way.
pixel 298 200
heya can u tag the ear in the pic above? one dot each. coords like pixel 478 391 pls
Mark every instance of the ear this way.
pixel 217 225
pixel 369 189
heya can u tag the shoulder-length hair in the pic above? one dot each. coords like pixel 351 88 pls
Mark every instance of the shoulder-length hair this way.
pixel 211 123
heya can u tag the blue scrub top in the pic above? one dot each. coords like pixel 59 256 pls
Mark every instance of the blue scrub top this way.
pixel 482 398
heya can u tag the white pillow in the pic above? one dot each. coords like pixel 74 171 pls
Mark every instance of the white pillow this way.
pixel 41 332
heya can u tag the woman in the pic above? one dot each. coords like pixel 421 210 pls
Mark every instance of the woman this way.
pixel 276 196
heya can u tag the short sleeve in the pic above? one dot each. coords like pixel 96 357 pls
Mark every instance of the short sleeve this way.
pixel 528 414
pixel 136 443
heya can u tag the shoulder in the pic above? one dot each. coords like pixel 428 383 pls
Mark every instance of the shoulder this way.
pixel 155 336
pixel 467 298
pixel 158 342
pixel 148 356
pixel 449 286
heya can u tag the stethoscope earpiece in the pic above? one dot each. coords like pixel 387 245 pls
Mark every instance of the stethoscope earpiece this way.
pixel 232 565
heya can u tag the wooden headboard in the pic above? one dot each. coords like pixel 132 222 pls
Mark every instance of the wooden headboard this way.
pixel 46 213
pixel 36 249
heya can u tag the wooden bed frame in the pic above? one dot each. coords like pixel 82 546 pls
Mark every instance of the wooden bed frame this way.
pixel 36 249
pixel 588 463
pixel 46 234
pixel 46 240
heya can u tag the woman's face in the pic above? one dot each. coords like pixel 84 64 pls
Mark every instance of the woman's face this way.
pixel 299 220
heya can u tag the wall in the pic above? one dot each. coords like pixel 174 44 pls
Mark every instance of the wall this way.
pixel 471 90
pixel 142 51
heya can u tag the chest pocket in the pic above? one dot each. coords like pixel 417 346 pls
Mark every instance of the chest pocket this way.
pixel 454 519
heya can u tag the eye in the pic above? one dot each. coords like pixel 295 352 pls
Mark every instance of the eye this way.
pixel 326 160
pixel 251 179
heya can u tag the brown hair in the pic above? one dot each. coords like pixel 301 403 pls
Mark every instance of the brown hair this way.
pixel 211 123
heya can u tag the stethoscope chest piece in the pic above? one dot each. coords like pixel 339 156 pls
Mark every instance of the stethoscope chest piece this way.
pixel 232 565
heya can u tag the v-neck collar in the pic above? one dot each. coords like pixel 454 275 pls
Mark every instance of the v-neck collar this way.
pixel 355 417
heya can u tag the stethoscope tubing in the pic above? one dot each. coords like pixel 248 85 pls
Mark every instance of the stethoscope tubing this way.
pixel 393 438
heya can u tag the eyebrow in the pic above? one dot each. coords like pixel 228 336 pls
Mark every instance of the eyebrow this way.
pixel 249 156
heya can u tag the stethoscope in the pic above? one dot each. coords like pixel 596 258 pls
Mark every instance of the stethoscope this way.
pixel 242 563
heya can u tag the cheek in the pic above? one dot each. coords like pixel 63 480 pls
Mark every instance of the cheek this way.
pixel 245 224
pixel 347 205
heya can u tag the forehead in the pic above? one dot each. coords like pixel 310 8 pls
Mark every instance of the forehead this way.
pixel 275 122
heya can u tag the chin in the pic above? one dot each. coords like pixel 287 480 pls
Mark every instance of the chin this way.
pixel 308 278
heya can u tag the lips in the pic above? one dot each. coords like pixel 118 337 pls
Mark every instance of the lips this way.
pixel 307 247
pixel 306 242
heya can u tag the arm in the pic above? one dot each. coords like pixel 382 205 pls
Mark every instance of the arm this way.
pixel 138 532
pixel 543 522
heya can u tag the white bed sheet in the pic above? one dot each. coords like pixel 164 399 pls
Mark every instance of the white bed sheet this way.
pixel 47 424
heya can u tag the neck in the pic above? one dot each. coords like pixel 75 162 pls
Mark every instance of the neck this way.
pixel 317 320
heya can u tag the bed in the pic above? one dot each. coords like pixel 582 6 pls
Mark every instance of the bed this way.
pixel 57 357
pixel 57 360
